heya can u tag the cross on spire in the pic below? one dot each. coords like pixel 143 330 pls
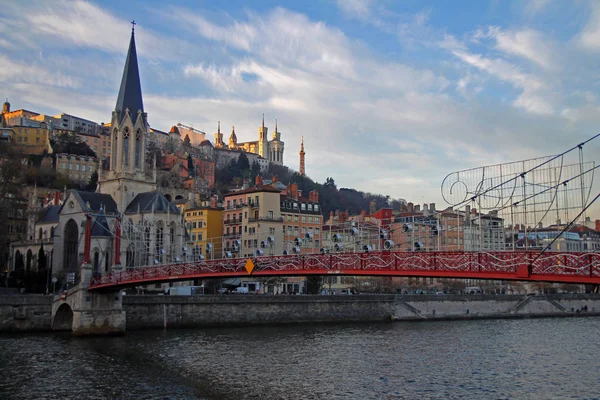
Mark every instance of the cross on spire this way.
pixel 133 27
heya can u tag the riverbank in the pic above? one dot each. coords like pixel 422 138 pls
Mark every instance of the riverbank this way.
pixel 30 313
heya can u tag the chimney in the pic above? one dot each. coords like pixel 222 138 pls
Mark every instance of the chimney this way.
pixel 295 191
pixel 467 211
pixel 274 180
pixel 432 207
pixel 474 211
pixel 299 193
pixel 259 180
pixel 213 202
pixel 411 207
pixel 597 224
pixel 417 208
pixel 315 196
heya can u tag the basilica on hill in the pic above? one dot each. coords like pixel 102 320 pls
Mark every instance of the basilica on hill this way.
pixel 271 150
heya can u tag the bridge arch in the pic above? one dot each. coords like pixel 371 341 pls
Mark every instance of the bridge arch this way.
pixel 63 319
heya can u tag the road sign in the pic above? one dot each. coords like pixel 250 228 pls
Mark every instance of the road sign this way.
pixel 249 266
pixel 71 277
pixel 54 279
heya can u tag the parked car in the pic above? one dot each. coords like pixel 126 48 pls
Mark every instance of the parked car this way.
pixel 241 290
pixel 224 291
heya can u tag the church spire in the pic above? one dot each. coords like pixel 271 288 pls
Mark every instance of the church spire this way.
pixel 219 127
pixel 263 123
pixel 130 93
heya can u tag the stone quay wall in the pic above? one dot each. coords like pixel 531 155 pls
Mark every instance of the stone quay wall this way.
pixel 234 310
pixel 25 313
pixel 30 313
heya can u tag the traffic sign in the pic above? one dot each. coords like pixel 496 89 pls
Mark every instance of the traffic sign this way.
pixel 249 266
pixel 54 279
pixel 71 277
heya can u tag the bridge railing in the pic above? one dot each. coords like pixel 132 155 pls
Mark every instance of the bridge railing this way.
pixel 582 267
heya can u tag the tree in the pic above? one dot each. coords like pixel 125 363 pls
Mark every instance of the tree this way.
pixel 186 141
pixel 93 183
pixel 190 165
pixel 11 177
pixel 70 143
pixel 254 170
pixel 314 284
pixel 243 164
pixel 272 281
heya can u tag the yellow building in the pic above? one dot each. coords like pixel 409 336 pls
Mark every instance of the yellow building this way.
pixel 205 226
pixel 30 140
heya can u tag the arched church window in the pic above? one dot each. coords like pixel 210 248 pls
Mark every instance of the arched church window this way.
pixel 126 147
pixel 115 142
pixel 138 147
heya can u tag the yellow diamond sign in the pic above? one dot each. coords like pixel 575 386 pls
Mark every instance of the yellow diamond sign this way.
pixel 249 266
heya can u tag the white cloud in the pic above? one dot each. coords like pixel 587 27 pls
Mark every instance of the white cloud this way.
pixel 589 37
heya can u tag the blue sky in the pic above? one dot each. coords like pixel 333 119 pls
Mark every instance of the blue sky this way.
pixel 390 96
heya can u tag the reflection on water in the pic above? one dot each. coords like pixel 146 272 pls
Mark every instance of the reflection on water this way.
pixel 495 359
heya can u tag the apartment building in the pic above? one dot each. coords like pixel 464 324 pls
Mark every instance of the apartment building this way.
pixel 252 222
pixel 77 168
pixel 302 220
pixel 204 224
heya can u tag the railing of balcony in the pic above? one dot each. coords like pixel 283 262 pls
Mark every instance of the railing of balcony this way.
pixel 266 219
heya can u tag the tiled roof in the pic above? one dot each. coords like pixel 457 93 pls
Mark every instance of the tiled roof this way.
pixel 96 201
pixel 150 201
pixel 51 214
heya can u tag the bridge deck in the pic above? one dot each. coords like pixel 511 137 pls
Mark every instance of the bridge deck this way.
pixel 583 268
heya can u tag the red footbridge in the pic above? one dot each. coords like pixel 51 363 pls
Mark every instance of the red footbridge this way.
pixel 580 268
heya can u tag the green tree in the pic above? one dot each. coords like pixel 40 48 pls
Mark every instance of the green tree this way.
pixel 190 165
pixel 93 183
pixel 243 164
pixel 70 143
pixel 11 178
pixel 314 284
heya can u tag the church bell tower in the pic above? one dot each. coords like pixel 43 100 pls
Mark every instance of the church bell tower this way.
pixel 129 125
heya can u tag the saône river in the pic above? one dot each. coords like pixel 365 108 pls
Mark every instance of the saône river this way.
pixel 485 359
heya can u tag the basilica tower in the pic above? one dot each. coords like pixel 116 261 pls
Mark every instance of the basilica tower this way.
pixel 263 140
pixel 302 153
pixel 129 125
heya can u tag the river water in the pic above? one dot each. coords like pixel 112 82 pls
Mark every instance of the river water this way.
pixel 486 359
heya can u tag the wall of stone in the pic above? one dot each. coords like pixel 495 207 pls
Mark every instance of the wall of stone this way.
pixel 204 311
pixel 25 313
pixel 505 306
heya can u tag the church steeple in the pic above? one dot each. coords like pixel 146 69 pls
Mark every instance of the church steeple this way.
pixel 130 93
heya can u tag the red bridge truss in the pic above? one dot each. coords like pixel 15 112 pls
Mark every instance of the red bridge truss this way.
pixel 582 268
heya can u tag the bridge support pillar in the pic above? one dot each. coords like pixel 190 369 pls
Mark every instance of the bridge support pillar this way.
pixel 93 313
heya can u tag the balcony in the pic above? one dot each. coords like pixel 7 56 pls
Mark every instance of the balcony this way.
pixel 254 204
pixel 266 219
pixel 232 221
pixel 232 235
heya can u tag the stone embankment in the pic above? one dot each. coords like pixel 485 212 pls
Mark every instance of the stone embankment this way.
pixel 30 313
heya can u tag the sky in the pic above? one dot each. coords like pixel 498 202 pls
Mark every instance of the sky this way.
pixel 390 96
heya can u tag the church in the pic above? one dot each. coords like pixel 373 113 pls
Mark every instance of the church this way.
pixel 271 150
pixel 130 221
